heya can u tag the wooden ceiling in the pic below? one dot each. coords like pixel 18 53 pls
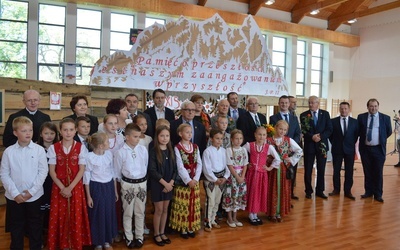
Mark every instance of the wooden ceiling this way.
pixel 335 12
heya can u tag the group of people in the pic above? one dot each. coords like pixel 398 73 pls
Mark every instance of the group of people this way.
pixel 90 185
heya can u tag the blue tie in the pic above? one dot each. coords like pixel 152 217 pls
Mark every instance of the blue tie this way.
pixel 235 114
pixel 315 118
pixel 286 118
pixel 371 125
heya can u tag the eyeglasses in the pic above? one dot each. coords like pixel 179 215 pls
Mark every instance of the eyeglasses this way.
pixel 32 100
pixel 252 104
pixel 189 110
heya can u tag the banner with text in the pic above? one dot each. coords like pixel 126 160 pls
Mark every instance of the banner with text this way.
pixel 195 56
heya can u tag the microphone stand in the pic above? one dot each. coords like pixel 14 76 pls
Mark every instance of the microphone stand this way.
pixel 396 127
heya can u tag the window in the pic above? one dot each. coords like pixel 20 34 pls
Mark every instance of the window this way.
pixel 301 68
pixel 88 41
pixel 316 69
pixel 150 21
pixel 51 41
pixel 13 38
pixel 279 53
pixel 121 25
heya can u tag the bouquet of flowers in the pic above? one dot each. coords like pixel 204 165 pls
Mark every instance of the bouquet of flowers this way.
pixel 306 128
pixel 270 129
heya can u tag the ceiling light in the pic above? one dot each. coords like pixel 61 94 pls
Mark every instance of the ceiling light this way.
pixel 269 2
pixel 352 20
pixel 314 12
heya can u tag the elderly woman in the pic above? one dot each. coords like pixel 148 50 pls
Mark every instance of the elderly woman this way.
pixel 200 115
pixel 222 110
pixel 79 105
pixel 119 108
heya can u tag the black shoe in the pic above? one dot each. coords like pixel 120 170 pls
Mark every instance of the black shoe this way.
pixel 397 165
pixel 350 196
pixel 321 195
pixel 259 221
pixel 294 197
pixel 166 240
pixel 379 199
pixel 192 234
pixel 308 196
pixel 334 192
pixel 365 196
pixel 185 236
pixel 130 244
pixel 253 222
pixel 138 243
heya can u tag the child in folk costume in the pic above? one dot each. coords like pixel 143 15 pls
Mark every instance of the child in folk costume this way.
pixel 162 174
pixel 216 172
pixel 185 212
pixel 234 198
pixel 279 192
pixel 257 175
pixel 100 186
pixel 69 222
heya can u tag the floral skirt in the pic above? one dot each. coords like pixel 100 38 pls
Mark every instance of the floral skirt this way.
pixel 234 198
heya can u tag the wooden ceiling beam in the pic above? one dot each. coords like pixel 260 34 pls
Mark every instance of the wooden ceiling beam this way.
pixel 254 6
pixel 299 12
pixel 176 9
pixel 201 2
pixel 334 23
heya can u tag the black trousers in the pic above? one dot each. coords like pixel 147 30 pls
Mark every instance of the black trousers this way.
pixel 348 174
pixel 308 169
pixel 21 218
pixel 373 159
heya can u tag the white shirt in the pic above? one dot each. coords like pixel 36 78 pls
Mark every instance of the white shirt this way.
pixel 131 162
pixel 160 113
pixel 24 168
pixel 296 150
pixel 214 161
pixel 254 117
pixel 146 141
pixel 183 172
pixel 116 143
pixel 342 123
pixel 99 168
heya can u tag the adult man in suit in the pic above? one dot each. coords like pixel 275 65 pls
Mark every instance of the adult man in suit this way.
pixel 198 130
pixel 316 127
pixel 132 101
pixel 159 110
pixel 234 111
pixel 294 131
pixel 343 140
pixel 249 122
pixel 374 129
pixel 292 105
pixel 31 99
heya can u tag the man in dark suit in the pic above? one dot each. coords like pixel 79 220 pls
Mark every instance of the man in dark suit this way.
pixel 234 111
pixel 31 99
pixel 294 131
pixel 249 122
pixel 343 140
pixel 132 101
pixel 316 127
pixel 374 129
pixel 159 110
pixel 198 129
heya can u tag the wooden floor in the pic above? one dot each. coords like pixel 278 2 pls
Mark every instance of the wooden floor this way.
pixel 336 223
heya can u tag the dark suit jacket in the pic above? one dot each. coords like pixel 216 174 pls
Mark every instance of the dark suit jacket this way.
pixel 344 144
pixel 199 134
pixel 248 126
pixel 38 119
pixel 241 112
pixel 324 128
pixel 294 131
pixel 94 122
pixel 169 115
pixel 385 130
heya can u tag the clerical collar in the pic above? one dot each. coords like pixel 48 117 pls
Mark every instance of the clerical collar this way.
pixel 31 112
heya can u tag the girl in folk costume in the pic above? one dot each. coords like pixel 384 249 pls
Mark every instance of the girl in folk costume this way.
pixel 185 212
pixel 257 175
pixel 279 191
pixel 69 223
pixel 234 198
pixel 100 187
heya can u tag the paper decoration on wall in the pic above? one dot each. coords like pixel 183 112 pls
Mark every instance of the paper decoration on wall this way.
pixel 195 56
pixel 55 100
